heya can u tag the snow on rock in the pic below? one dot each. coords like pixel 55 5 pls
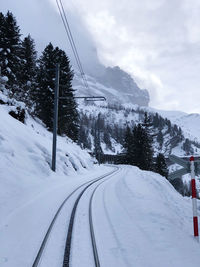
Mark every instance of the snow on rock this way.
pixel 114 84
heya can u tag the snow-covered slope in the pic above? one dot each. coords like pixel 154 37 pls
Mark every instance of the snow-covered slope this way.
pixel 189 123
pixel 25 159
pixel 150 223
pixel 116 118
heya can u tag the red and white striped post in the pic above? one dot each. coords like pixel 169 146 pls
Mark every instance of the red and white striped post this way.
pixel 194 199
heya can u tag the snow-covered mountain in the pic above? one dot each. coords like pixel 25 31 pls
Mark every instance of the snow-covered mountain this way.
pixel 114 84
pixel 168 137
pixel 121 91
pixel 189 123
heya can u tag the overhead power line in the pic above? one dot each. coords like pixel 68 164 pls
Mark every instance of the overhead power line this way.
pixel 71 41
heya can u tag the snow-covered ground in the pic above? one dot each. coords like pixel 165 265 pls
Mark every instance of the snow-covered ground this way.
pixel 25 160
pixel 139 219
pixel 23 229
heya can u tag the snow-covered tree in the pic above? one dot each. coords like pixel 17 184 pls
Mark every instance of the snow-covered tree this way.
pixel 10 47
pixel 161 166
pixel 27 77
pixel 68 118
pixel 160 138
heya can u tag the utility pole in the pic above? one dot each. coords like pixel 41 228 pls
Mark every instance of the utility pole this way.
pixel 98 138
pixel 55 120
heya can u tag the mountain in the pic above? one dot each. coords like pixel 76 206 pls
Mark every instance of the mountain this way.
pixel 111 121
pixel 189 123
pixel 115 84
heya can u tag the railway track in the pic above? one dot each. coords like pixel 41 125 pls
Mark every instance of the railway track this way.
pixel 68 247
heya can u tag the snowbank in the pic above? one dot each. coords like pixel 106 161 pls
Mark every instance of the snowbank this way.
pixel 25 160
pixel 145 222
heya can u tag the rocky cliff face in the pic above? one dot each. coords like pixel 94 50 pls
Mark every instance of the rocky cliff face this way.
pixel 125 85
pixel 116 85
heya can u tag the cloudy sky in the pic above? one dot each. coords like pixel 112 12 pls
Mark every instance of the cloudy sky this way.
pixel 157 41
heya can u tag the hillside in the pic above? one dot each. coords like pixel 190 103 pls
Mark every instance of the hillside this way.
pixel 25 158
pixel 168 137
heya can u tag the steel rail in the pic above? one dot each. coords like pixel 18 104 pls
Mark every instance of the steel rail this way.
pixel 92 234
pixel 67 253
pixel 44 241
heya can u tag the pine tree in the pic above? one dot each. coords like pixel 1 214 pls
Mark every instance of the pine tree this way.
pixel 3 51
pixel 10 45
pixel 169 130
pixel 27 77
pixel 147 121
pixel 128 145
pixel 68 118
pixel 44 94
pixel 83 137
pixel 142 154
pixel 156 120
pixel 2 36
pixel 97 137
pixel 161 166
pixel 160 138
pixel 187 147
pixel 106 139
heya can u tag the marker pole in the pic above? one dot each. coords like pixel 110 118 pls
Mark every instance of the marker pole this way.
pixel 194 199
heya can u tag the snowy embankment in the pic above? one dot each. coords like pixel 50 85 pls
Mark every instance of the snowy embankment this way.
pixel 145 222
pixel 25 159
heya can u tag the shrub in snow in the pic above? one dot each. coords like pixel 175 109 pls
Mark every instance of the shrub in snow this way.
pixel 19 114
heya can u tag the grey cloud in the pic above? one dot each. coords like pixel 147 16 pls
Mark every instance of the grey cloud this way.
pixel 157 41
pixel 42 21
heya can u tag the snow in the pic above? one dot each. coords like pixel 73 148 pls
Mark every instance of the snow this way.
pixel 189 123
pixel 25 159
pixel 139 218
pixel 4 79
pixel 144 221
pixel 30 192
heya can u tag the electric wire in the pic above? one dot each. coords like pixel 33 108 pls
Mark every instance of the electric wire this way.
pixel 71 40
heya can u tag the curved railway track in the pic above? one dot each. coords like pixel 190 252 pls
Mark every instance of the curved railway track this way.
pixel 67 252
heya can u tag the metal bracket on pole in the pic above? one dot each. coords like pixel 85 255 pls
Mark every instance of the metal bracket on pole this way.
pixel 55 120
pixel 87 98
pixel 180 161
pixel 179 173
